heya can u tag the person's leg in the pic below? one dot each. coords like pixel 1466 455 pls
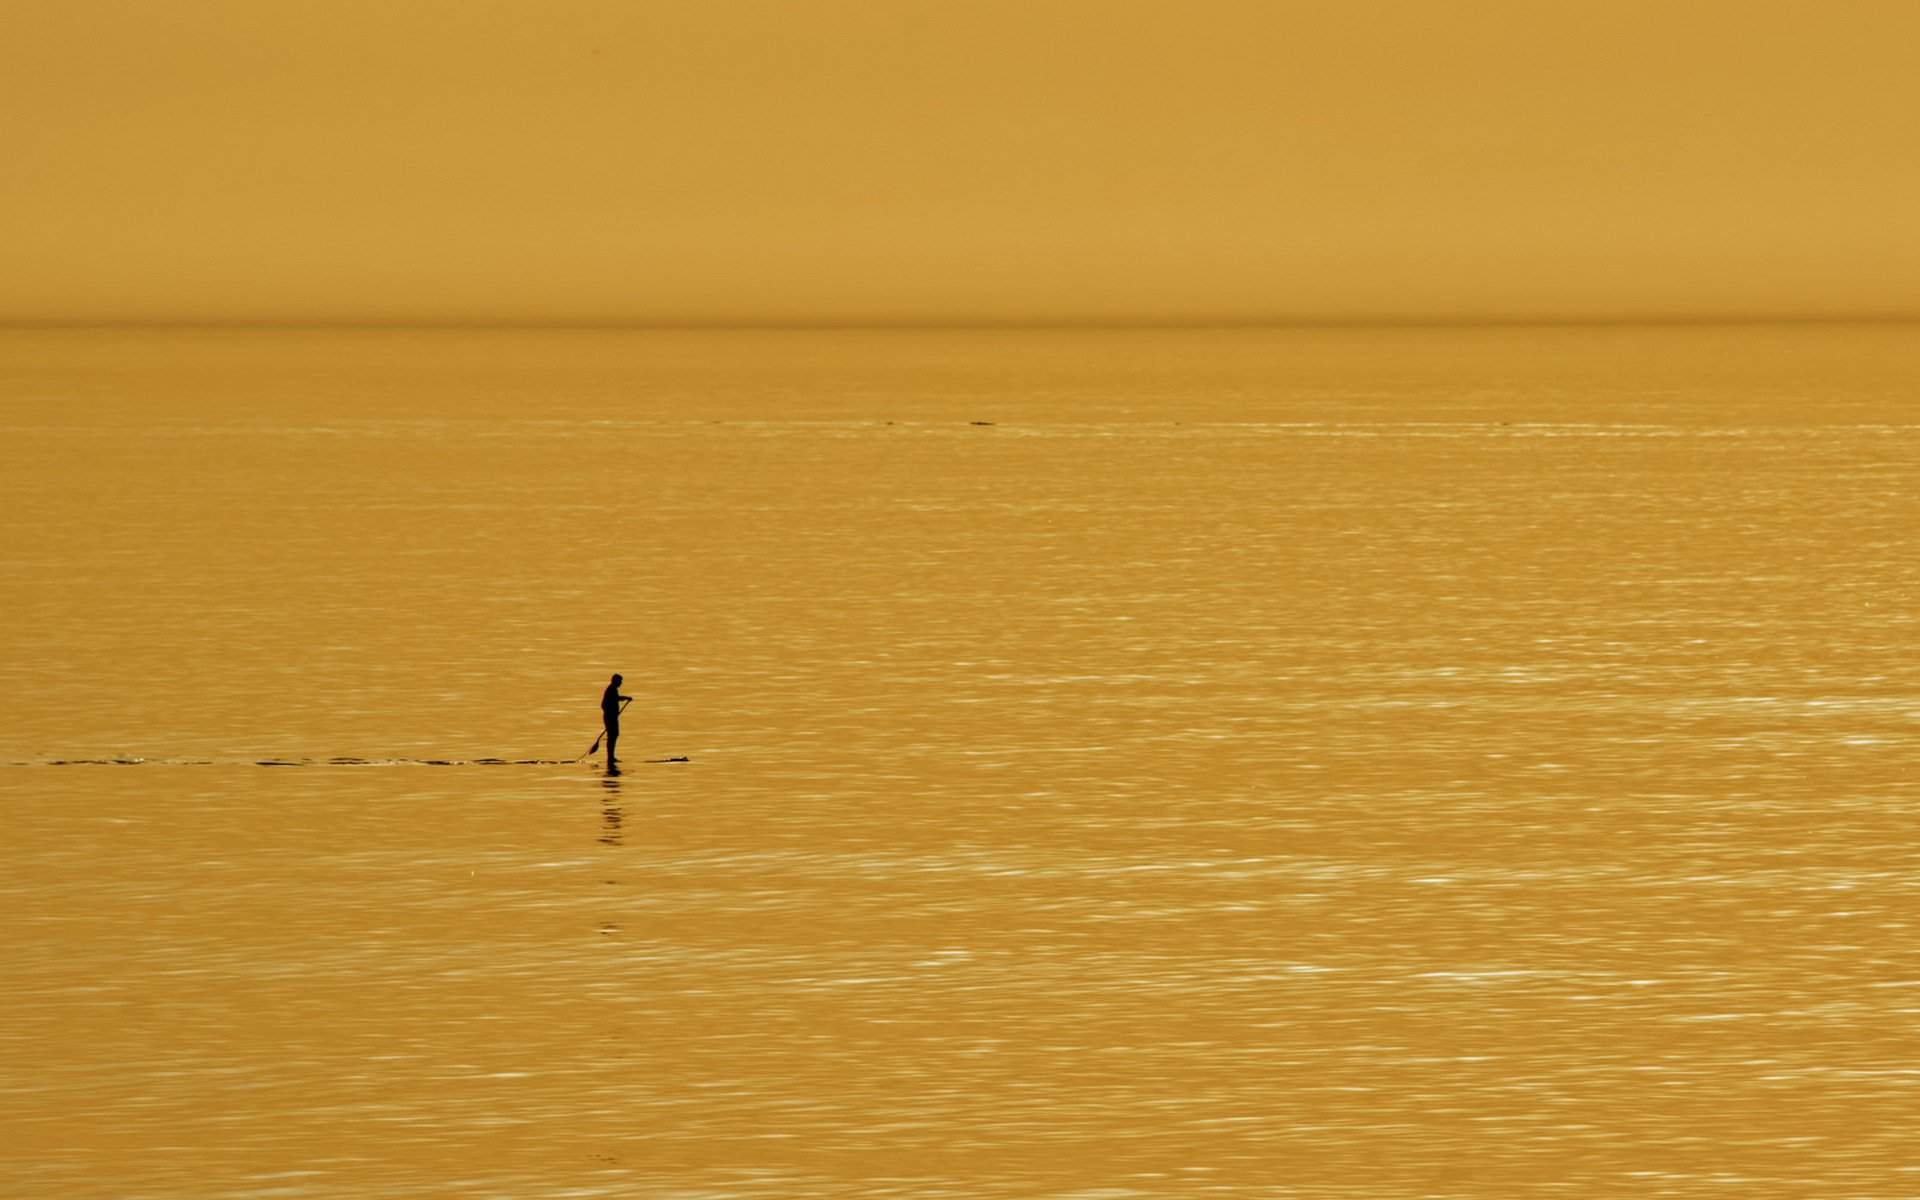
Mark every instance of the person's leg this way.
pixel 613 735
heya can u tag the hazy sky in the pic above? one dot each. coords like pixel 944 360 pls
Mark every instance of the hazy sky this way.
pixel 852 161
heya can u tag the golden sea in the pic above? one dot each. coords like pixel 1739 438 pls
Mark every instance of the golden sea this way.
pixel 1451 764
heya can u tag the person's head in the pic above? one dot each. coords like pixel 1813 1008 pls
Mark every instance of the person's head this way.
pixel 616 681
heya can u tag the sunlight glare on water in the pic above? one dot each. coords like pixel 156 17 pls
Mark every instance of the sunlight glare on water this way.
pixel 1449 763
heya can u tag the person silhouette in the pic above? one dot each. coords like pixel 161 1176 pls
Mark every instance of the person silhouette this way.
pixel 610 703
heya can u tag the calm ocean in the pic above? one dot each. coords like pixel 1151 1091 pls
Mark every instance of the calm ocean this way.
pixel 1450 764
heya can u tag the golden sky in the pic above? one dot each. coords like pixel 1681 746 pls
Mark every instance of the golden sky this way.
pixel 857 161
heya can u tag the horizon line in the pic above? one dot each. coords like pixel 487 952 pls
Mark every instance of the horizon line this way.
pixel 962 326
pixel 955 327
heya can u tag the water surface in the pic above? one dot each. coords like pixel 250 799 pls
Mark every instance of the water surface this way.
pixel 1451 763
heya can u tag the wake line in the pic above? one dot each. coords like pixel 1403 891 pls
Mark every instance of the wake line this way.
pixel 316 762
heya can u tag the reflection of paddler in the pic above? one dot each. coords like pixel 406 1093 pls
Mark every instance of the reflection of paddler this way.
pixel 611 702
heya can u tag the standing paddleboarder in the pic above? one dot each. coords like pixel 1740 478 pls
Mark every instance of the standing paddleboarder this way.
pixel 610 702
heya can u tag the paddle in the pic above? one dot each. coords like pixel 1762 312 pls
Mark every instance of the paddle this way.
pixel 595 748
